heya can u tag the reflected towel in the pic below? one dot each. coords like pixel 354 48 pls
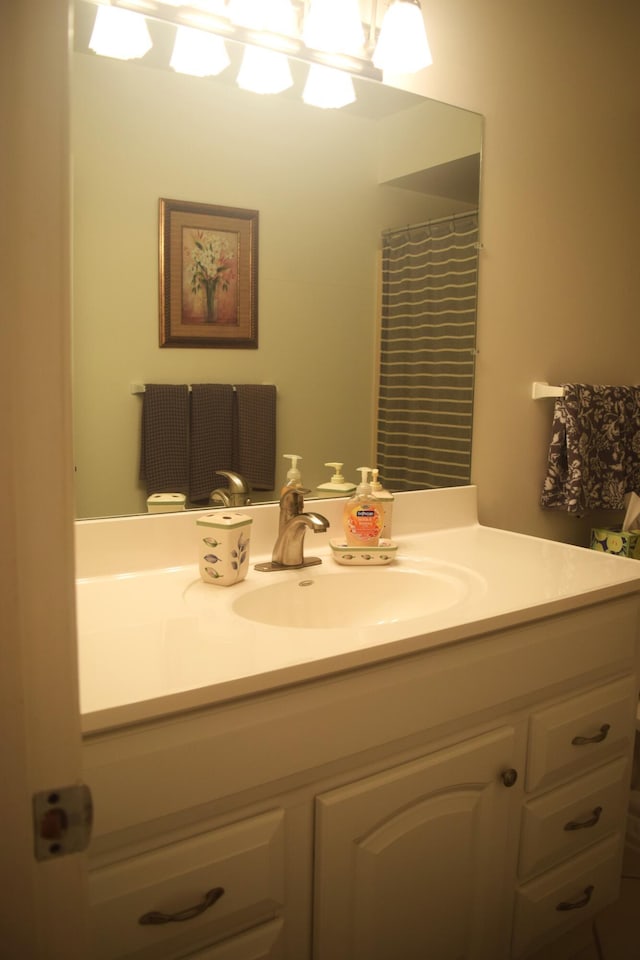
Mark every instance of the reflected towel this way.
pixel 594 453
pixel 256 434
pixel 164 438
pixel 211 438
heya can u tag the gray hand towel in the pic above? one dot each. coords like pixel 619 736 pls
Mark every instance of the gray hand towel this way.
pixel 164 438
pixel 211 439
pixel 256 434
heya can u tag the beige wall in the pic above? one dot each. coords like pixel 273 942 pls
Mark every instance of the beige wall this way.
pixel 424 136
pixel 559 86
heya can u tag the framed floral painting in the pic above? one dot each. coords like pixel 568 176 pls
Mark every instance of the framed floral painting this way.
pixel 208 275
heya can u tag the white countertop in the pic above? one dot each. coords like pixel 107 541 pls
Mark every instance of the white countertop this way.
pixel 154 639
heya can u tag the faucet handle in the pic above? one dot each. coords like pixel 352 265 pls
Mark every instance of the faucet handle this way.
pixel 291 504
pixel 303 491
pixel 292 498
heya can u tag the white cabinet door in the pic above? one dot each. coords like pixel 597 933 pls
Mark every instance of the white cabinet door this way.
pixel 415 862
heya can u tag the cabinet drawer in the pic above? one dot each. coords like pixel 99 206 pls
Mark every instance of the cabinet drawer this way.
pixel 561 898
pixel 568 819
pixel 245 859
pixel 261 943
pixel 579 732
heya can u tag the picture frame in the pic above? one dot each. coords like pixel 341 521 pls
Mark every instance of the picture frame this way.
pixel 208 275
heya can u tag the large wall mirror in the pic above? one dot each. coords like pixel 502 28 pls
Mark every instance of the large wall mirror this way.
pixel 327 185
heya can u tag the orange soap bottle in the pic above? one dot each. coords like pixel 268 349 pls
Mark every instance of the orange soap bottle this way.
pixel 363 517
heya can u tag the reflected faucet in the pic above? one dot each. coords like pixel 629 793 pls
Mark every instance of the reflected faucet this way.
pixel 288 552
pixel 237 495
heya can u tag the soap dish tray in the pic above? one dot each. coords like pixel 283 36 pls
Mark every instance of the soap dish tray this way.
pixel 349 555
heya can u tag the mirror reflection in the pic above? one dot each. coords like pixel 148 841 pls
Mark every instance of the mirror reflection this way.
pixel 328 184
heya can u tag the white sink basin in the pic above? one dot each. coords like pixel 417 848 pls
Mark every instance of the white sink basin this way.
pixel 350 599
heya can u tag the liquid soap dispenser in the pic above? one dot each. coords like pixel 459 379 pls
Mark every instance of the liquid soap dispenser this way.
pixel 337 484
pixel 387 498
pixel 363 517
pixel 293 474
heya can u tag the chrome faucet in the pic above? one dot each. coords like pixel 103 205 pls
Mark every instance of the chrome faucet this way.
pixel 237 495
pixel 288 552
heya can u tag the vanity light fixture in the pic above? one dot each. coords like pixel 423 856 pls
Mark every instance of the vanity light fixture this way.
pixel 334 26
pixel 402 45
pixel 198 54
pixel 328 88
pixel 327 34
pixel 274 16
pixel 121 34
pixel 246 13
pixel 264 71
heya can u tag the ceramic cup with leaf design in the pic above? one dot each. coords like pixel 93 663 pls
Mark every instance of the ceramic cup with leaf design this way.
pixel 223 547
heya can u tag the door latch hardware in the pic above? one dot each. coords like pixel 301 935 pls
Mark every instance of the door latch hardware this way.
pixel 62 820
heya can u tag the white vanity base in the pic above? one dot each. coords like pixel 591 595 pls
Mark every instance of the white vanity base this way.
pixel 370 801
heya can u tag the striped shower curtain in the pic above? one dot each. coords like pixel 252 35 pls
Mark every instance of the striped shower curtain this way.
pixel 427 352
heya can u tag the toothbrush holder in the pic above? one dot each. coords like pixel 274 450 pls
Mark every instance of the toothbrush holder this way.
pixel 223 547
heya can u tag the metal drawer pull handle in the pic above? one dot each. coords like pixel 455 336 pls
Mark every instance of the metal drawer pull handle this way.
pixel 155 917
pixel 597 738
pixel 577 904
pixel 583 824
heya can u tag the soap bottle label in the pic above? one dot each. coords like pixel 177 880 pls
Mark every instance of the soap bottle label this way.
pixel 364 522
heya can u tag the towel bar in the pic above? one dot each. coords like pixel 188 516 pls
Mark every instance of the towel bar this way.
pixel 139 387
pixel 541 389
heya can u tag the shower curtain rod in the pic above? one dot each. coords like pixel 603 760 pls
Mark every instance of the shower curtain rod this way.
pixel 427 223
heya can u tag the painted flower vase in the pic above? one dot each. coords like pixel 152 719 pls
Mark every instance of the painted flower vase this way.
pixel 223 547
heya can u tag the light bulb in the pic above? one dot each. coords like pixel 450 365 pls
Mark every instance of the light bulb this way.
pixel 328 88
pixel 280 17
pixel 121 34
pixel 246 13
pixel 402 45
pixel 276 16
pixel 264 71
pixel 334 26
pixel 198 54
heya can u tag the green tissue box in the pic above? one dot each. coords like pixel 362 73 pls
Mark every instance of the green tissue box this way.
pixel 623 543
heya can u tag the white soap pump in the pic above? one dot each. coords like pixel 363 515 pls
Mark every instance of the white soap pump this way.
pixel 294 479
pixel 387 498
pixel 337 484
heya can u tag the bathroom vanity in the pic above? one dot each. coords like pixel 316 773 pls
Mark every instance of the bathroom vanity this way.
pixel 449 783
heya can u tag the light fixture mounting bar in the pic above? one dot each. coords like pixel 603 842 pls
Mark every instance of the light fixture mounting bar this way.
pixel 195 16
